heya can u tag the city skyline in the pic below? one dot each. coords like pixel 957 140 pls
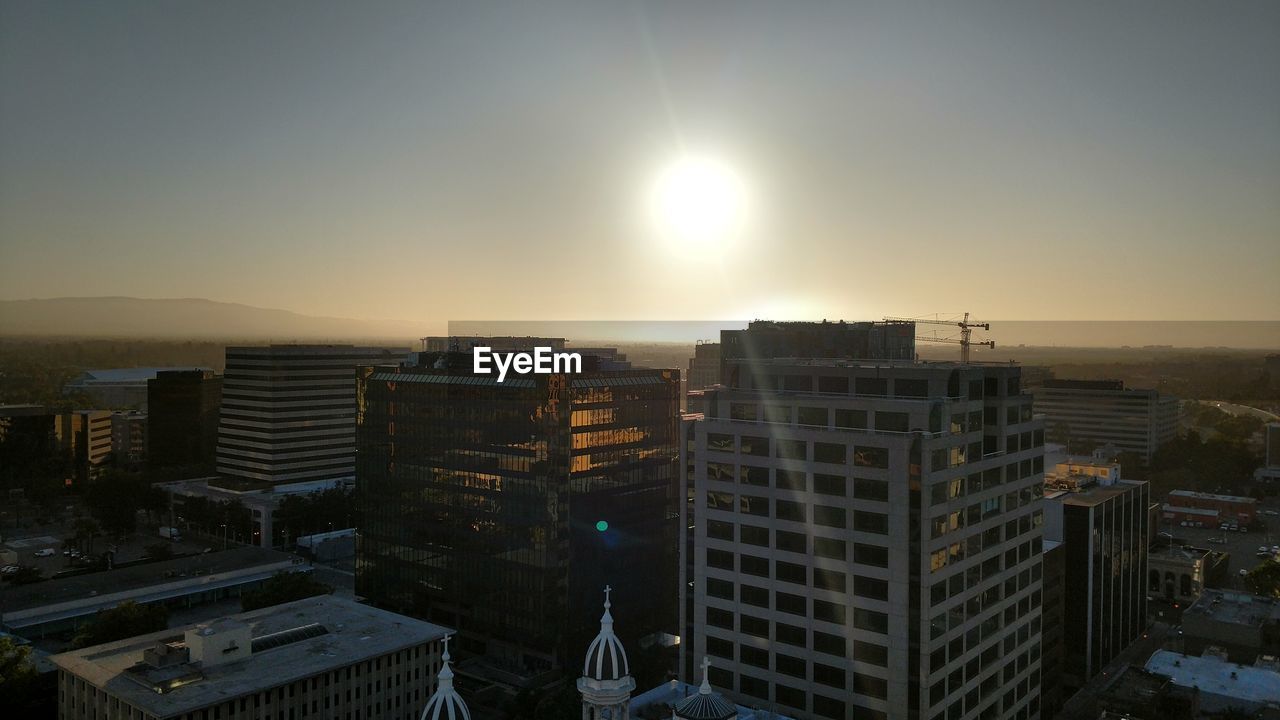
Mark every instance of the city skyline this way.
pixel 407 162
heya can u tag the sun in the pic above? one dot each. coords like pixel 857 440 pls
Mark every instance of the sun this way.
pixel 698 202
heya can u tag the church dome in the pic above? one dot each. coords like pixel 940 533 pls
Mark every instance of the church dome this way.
pixel 446 703
pixel 606 660
pixel 707 704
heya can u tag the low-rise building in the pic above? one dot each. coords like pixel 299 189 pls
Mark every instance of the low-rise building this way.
pixel 1138 694
pixel 1178 573
pixel 1221 684
pixel 1244 626
pixel 318 657
pixel 128 438
pixel 117 387
pixel 1186 505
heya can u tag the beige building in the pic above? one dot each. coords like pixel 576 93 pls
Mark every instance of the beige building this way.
pixel 322 657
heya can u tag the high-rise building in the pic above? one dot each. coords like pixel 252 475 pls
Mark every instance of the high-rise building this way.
pixel 868 540
pixel 505 507
pixel 1051 691
pixel 704 366
pixel 319 657
pixel 890 340
pixel 1103 528
pixel 1085 414
pixel 85 435
pixel 28 437
pixel 1270 470
pixel 182 406
pixel 128 438
pixel 288 411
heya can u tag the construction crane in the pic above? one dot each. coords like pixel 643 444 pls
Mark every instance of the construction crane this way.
pixel 966 330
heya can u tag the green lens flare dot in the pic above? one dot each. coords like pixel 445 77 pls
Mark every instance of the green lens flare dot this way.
pixel 602 526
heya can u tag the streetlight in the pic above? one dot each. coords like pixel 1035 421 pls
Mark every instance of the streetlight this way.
pixel 224 536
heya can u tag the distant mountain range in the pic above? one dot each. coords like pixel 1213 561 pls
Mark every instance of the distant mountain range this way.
pixel 193 318
pixel 185 318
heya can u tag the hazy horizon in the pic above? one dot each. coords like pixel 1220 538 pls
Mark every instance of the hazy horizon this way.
pixel 402 160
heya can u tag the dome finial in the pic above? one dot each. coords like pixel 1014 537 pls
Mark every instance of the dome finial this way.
pixel 606 620
pixel 445 703
pixel 706 681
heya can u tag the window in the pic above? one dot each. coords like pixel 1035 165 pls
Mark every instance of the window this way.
pixel 872 653
pixel 828 484
pixel 871 386
pixel 721 559
pixel 752 475
pixel 722 472
pixel 870 686
pixel 877 622
pixel 719 647
pixel 790 634
pixel 752 505
pixel 720 530
pixel 793 666
pixel 752 565
pixel 750 445
pixel 871 522
pixel 791 572
pixel 789 479
pixel 755 687
pixel 777 414
pixel 790 541
pixel 851 419
pixel 789 510
pixel 829 676
pixel 828 516
pixel 868 489
pixel 829 548
pixel 873 555
pixel 828 643
pixel 872 457
pixel 816 417
pixel 892 421
pixel 722 589
pixel 720 501
pixel 719 618
pixel 833 384
pixel 829 708
pixel 828 611
pixel 750 625
pixel 719 442
pixel 753 656
pixel 797 383
pixel 911 388
pixel 790 449
pixel 872 588
pixel 752 535
pixel 788 603
pixel 829 580
pixel 742 411
pixel 831 453
pixel 752 595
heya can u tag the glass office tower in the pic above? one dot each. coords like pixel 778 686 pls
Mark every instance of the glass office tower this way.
pixel 502 509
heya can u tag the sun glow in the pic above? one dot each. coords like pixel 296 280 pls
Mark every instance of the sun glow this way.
pixel 698 203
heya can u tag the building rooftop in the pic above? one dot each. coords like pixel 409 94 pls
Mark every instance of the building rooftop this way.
pixel 1217 677
pixel 1210 496
pixel 1234 608
pixel 1094 494
pixel 289 642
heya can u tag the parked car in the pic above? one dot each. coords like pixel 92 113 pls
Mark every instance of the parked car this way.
pixel 8 569
pixel 1243 572
pixel 1224 526
pixel 1218 540
pixel 46 552
pixel 1244 529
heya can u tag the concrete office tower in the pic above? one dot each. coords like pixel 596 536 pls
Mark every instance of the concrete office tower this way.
pixel 1103 528
pixel 1085 414
pixel 506 507
pixel 183 412
pixel 85 435
pixel 128 438
pixel 704 366
pixel 289 411
pixel 868 541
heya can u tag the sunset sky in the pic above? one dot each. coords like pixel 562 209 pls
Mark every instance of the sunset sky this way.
pixel 497 160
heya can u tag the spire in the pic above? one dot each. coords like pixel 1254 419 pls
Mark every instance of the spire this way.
pixel 706 682
pixel 446 675
pixel 606 620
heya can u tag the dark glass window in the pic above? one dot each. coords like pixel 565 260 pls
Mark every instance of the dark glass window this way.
pixel 851 419
pixel 721 559
pixel 828 611
pixel 872 653
pixel 752 535
pixel 742 411
pixel 793 666
pixel 718 441
pixel 829 484
pixel 826 675
pixel 832 453
pixel 828 643
pixel 872 457
pixel 816 417
pixel 720 588
pixel 893 421
pixel 790 479
pixel 788 603
pixel 750 445
pixel 752 595
pixel 720 530
pixel 789 541
pixel 719 647
pixel 751 625
pixel 875 555
pixel 878 387
pixel 753 656
pixel 829 580
pixel 828 516
pixel 790 449
pixel 872 522
pixel 833 384
pixel 868 489
pixel 873 588
pixel 719 618
pixel 789 510
pixel 911 388
pixel 752 505
pixel 752 475
pixel 829 548
pixel 752 565
pixel 790 634
pixel 829 708
pixel 790 572
pixel 870 620
pixel 720 471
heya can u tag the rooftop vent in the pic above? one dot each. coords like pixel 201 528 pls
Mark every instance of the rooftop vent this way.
pixel 288 637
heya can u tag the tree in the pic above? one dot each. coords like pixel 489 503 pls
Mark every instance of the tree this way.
pixel 86 530
pixel 17 674
pixel 122 621
pixel 283 587
pixel 1264 579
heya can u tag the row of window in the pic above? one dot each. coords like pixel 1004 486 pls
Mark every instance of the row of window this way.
pixel 780 632
pixel 827 515
pixel 799 481
pixel 800 543
pixel 834 613
pixel 797 574
pixel 792 697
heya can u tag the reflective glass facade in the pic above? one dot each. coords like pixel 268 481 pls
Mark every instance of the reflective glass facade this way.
pixel 503 509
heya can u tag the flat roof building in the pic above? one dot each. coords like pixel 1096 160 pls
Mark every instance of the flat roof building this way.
pixel 1221 684
pixel 1084 414
pixel 1243 625
pixel 322 656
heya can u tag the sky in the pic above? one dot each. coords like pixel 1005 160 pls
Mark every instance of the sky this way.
pixel 1081 160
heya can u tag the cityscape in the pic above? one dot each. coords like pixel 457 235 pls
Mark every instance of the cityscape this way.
pixel 639 361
